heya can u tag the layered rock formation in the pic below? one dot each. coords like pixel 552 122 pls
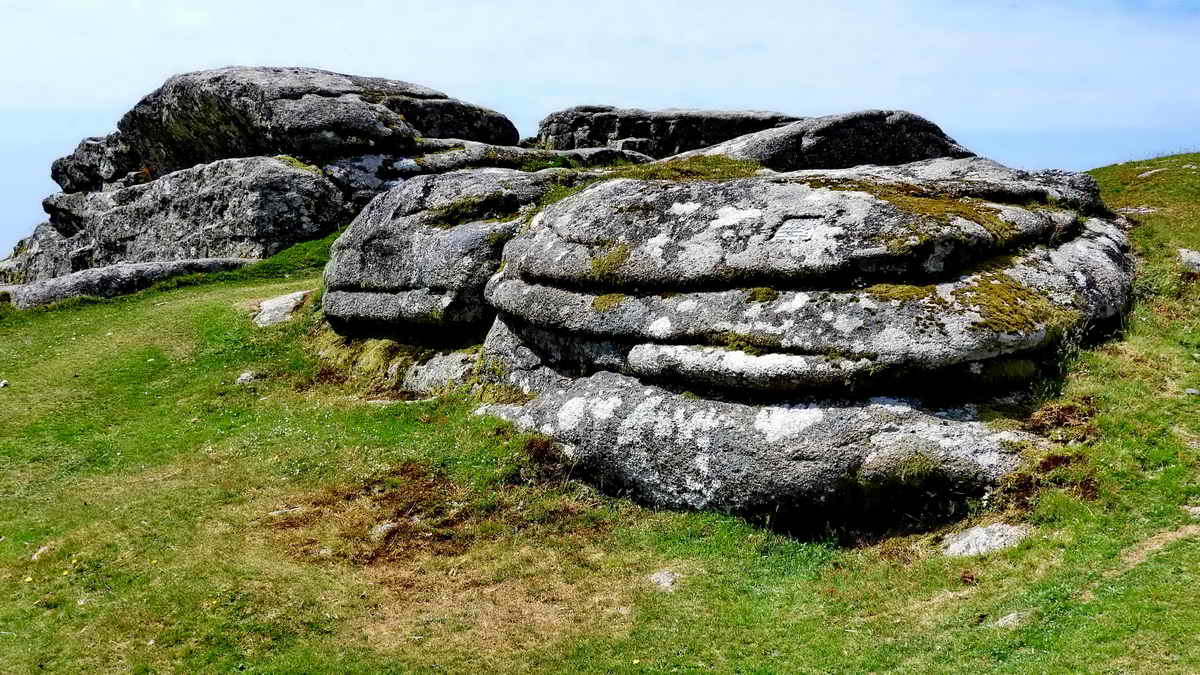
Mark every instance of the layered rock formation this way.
pixel 200 117
pixel 243 162
pixel 768 343
pixel 658 133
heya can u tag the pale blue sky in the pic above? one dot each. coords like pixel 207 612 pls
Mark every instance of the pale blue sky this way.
pixel 1031 84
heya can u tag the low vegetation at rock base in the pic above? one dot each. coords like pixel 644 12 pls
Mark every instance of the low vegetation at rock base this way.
pixel 157 516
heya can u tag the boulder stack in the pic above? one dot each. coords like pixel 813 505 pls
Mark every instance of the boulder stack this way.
pixel 803 341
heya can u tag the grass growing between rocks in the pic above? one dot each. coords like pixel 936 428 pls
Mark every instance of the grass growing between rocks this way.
pixel 183 523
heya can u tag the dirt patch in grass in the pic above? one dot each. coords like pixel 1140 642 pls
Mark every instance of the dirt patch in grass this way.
pixel 1065 421
pixel 515 565
pixel 1141 551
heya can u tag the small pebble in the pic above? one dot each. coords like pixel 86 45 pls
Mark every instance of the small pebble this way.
pixel 664 579
pixel 1192 392
pixel 3 384
pixel 247 377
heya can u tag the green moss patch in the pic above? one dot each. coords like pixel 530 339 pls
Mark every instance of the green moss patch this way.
pixel 606 264
pixel 297 164
pixel 919 201
pixel 901 292
pixel 761 294
pixel 608 301
pixel 1005 305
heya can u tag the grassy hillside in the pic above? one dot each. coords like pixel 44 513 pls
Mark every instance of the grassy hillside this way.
pixel 182 522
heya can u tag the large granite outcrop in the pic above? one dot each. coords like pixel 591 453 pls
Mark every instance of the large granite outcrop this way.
pixel 233 208
pixel 420 253
pixel 658 133
pixel 840 141
pixel 199 117
pixel 773 341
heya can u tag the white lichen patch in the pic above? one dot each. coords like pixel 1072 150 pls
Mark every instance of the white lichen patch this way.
pixel 683 208
pixel 781 423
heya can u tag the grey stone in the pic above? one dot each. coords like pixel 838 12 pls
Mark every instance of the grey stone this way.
pixel 381 531
pixel 440 373
pixel 279 309
pixel 783 283
pixel 664 580
pixel 114 280
pixel 1192 392
pixel 216 114
pixel 1190 260
pixel 233 208
pixel 1012 620
pixel 1147 174
pixel 247 377
pixel 284 512
pixel 658 133
pixel 364 176
pixel 3 384
pixel 798 458
pixel 1137 210
pixel 982 540
pixel 839 141
pixel 1193 511
pixel 421 253
pixel 42 255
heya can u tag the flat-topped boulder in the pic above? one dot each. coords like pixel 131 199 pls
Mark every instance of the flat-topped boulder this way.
pixel 420 253
pixel 204 116
pixel 658 133
pixel 840 141
pixel 233 208
pixel 110 281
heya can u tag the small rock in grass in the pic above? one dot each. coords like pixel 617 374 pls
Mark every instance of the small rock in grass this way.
pixel 284 512
pixel 1192 392
pixel 1011 620
pixel 1193 511
pixel 1190 259
pixel 1147 174
pixel 247 377
pixel 280 309
pixel 3 384
pixel 984 539
pixel 39 552
pixel 382 530
pixel 664 579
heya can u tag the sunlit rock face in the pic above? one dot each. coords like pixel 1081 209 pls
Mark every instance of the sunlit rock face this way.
pixel 800 340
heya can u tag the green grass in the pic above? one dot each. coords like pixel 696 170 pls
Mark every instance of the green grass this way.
pixel 148 475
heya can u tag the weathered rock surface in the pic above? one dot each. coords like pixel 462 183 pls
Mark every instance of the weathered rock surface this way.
pixel 42 255
pixel 768 344
pixel 234 208
pixel 362 177
pixel 984 539
pixel 439 374
pixel 840 141
pixel 422 252
pixel 108 282
pixel 682 451
pixel 277 310
pixel 204 116
pixel 811 279
pixel 658 133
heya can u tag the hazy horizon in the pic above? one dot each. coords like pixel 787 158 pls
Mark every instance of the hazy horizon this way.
pixel 1035 85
